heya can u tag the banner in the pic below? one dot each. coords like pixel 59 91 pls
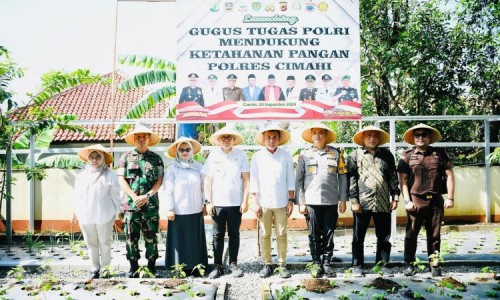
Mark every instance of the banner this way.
pixel 268 60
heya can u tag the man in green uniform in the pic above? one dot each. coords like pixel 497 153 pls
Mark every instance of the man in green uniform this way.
pixel 140 174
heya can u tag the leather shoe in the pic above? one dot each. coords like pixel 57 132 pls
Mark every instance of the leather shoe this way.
pixel 217 272
pixel 266 271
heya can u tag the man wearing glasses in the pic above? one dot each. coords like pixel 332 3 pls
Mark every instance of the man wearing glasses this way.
pixel 227 179
pixel 425 173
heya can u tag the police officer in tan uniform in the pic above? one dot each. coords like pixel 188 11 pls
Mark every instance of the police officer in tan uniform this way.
pixel 321 192
pixel 425 173
pixel 231 92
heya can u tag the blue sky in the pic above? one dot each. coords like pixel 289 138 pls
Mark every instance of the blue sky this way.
pixel 49 35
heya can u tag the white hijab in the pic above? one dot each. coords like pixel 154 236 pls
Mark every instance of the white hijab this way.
pixel 189 163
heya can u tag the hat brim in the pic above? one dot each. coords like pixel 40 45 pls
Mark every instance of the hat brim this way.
pixel 172 150
pixel 284 136
pixel 214 138
pixel 85 152
pixel 307 134
pixel 154 139
pixel 384 137
pixel 410 138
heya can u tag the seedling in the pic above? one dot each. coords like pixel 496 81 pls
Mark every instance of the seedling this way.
pixel 16 272
pixel 134 293
pixel 344 297
pixel 200 268
pixel 32 244
pixel 144 272
pixel 178 271
pixel 417 295
pixel 109 272
pixel 435 258
pixel 491 294
pixel 380 296
pixel 287 293
pixel 314 268
pixel 419 264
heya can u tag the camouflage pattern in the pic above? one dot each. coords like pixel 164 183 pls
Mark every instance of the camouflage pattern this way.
pixel 146 220
pixel 141 171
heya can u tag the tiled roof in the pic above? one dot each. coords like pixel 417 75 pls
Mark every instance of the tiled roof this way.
pixel 93 102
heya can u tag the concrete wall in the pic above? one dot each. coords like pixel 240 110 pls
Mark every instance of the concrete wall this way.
pixel 54 201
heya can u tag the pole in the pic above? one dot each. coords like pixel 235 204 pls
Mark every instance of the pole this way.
pixel 8 195
pixel 113 86
pixel 392 148
pixel 487 177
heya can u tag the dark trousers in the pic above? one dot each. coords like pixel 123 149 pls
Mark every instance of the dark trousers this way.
pixel 231 217
pixel 382 223
pixel 321 222
pixel 431 216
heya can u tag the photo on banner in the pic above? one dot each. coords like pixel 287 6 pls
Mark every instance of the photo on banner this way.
pixel 268 60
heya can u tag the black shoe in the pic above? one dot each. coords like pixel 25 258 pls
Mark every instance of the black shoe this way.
pixel 93 275
pixel 386 271
pixel 217 272
pixel 336 259
pixel 328 270
pixel 409 271
pixel 152 266
pixel 284 273
pixel 266 271
pixel 235 271
pixel 435 271
pixel 134 266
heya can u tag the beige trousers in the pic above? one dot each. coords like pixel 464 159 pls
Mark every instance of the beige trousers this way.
pixel 280 223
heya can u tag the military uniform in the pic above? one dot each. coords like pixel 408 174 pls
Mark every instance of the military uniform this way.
pixel 308 94
pixel 351 94
pixel 235 94
pixel 425 180
pixel 321 181
pixel 141 171
pixel 190 93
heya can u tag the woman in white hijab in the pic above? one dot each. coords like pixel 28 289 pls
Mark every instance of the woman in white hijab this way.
pixel 183 196
pixel 97 201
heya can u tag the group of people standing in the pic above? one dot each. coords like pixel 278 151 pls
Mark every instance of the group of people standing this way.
pixel 320 185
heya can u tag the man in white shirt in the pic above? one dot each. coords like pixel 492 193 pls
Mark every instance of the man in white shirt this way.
pixel 227 179
pixel 212 94
pixel 272 185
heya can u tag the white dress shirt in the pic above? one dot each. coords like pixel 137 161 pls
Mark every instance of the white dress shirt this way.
pixel 225 171
pixel 271 177
pixel 182 190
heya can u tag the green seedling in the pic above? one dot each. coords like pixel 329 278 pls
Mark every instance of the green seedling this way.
pixel 315 269
pixel 178 271
pixel 287 293
pixel 16 272
pixel 200 268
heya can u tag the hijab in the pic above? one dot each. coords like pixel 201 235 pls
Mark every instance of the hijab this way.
pixel 92 173
pixel 189 163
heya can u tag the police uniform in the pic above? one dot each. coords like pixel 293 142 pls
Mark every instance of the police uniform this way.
pixel 235 94
pixel 308 93
pixel 425 180
pixel 141 171
pixel 190 93
pixel 321 181
pixel 351 94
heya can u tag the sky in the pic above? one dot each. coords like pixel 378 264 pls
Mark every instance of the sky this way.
pixel 50 35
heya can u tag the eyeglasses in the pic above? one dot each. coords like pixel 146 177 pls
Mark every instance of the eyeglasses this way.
pixel 422 135
pixel 184 150
pixel 226 137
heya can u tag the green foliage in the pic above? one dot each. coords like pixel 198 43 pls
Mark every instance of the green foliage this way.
pixel 16 272
pixel 62 161
pixel 314 269
pixel 31 243
pixel 158 73
pixel 287 292
pixel 178 271
pixel 200 268
pixel 494 157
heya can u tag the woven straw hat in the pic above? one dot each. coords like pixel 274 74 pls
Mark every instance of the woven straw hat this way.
pixel 227 130
pixel 307 134
pixel 172 150
pixel 284 135
pixel 153 137
pixel 384 137
pixel 409 138
pixel 85 152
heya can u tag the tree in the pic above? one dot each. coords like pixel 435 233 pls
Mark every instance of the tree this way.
pixel 159 73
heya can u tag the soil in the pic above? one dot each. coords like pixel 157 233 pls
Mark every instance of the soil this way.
pixel 317 285
pixel 446 281
pixel 172 283
pixel 381 283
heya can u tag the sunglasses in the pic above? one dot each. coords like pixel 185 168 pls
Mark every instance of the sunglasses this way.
pixel 184 150
pixel 421 135
pixel 226 137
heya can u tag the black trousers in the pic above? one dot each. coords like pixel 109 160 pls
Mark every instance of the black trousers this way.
pixel 321 222
pixel 231 217
pixel 431 217
pixel 382 223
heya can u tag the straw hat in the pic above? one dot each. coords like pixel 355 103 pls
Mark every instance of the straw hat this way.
pixel 307 134
pixel 284 135
pixel 408 135
pixel 172 150
pixel 85 152
pixel 153 137
pixel 214 139
pixel 384 137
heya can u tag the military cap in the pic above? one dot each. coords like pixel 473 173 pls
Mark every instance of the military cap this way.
pixel 346 77
pixel 271 76
pixel 310 77
pixel 212 77
pixel 251 76
pixel 290 77
pixel 193 75
pixel 232 76
pixel 326 77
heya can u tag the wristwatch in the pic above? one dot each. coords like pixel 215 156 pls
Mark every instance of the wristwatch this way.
pixel 148 195
pixel 291 199
pixel 407 201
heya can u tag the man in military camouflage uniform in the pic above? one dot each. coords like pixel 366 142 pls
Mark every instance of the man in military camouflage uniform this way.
pixel 140 174
pixel 231 92
pixel 346 92
pixel 321 192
